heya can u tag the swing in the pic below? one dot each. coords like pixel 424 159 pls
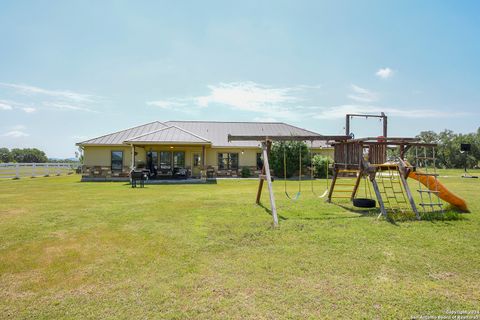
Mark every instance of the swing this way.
pixel 365 202
pixel 297 195
pixel 312 173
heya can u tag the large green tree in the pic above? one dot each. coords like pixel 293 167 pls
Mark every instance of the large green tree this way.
pixel 5 155
pixel 28 155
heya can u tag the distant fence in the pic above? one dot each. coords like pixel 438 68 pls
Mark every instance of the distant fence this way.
pixel 25 170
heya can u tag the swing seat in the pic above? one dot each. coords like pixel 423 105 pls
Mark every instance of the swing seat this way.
pixel 364 203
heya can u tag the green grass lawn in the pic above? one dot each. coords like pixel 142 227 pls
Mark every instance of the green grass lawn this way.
pixel 103 250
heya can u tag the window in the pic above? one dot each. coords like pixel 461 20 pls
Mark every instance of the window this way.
pixel 228 161
pixel 165 160
pixel 155 158
pixel 117 160
pixel 179 159
pixel 259 161
pixel 197 160
pixel 152 160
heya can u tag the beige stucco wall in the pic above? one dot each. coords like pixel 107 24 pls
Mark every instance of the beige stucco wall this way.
pixel 101 156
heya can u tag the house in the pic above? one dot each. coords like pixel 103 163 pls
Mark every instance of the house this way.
pixel 182 148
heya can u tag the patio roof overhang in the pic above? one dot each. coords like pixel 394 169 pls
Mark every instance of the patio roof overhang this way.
pixel 167 143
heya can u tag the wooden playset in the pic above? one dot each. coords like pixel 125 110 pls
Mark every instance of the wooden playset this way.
pixel 380 161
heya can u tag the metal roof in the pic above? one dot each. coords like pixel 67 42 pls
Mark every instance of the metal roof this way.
pixel 120 136
pixel 201 132
pixel 217 132
pixel 171 134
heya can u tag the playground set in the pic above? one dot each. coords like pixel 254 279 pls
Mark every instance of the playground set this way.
pixel 368 159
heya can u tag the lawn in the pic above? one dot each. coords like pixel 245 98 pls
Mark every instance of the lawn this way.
pixel 103 250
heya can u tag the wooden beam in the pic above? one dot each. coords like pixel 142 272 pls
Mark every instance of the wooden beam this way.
pixel 287 138
pixel 403 172
pixel 332 186
pixel 379 198
pixel 357 183
pixel 266 171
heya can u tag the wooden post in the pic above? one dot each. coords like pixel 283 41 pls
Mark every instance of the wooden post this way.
pixel 379 198
pixel 266 170
pixel 347 125
pixel 33 169
pixel 332 186
pixel 385 124
pixel 132 165
pixel 260 183
pixel 17 171
pixel 357 183
pixel 403 173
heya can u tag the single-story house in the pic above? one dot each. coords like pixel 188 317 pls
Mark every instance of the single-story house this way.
pixel 190 148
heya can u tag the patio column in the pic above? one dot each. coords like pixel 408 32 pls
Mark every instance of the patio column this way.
pixel 203 157
pixel 132 166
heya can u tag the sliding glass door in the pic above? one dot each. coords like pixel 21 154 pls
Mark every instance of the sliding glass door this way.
pixel 165 160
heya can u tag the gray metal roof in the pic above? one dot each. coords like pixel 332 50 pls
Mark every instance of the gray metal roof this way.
pixel 171 134
pixel 201 132
pixel 120 136
pixel 217 132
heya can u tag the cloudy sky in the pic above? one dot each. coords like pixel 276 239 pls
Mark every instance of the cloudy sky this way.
pixel 72 70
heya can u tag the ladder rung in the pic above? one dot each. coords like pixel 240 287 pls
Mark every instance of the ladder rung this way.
pixel 430 204
pixel 428 191
pixel 345 184
pixel 343 191
pixel 340 197
pixel 427 174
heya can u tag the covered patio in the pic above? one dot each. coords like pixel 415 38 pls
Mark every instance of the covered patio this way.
pixel 169 154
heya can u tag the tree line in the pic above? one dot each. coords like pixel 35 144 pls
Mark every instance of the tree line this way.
pixel 448 153
pixel 26 155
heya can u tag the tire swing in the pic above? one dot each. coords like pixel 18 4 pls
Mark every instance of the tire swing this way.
pixel 297 195
pixel 365 202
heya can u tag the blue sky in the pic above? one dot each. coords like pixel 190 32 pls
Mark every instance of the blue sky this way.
pixel 71 70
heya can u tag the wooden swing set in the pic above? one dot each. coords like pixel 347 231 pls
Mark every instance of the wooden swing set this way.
pixel 266 142
pixel 367 158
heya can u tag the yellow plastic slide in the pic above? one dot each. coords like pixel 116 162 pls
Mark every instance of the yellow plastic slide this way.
pixel 443 192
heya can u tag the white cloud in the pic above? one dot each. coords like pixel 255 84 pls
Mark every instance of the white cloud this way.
pixel 271 102
pixel 40 98
pixel 66 106
pixel 29 109
pixel 248 96
pixel 5 106
pixel 18 127
pixel 167 104
pixel 15 134
pixel 384 73
pixel 362 95
pixel 338 112
pixel 60 94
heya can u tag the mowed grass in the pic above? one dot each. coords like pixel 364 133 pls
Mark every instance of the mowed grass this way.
pixel 103 250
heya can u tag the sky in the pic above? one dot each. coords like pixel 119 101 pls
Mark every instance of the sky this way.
pixel 73 70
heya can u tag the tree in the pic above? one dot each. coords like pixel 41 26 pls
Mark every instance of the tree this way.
pixel 5 155
pixel 448 153
pixel 292 150
pixel 28 155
